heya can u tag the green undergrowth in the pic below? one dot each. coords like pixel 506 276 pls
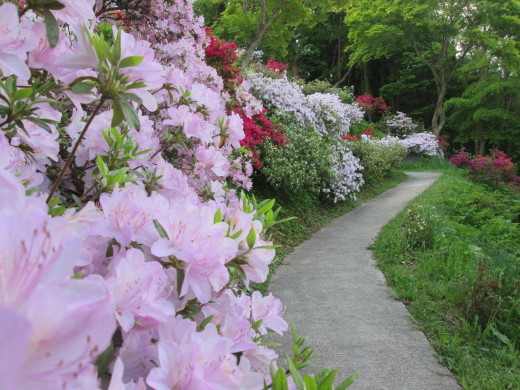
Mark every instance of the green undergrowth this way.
pixel 311 214
pixel 430 164
pixel 453 257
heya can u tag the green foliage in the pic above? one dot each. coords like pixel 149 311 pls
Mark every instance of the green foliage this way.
pixel 322 86
pixel 462 287
pixel 18 104
pixel 377 160
pixel 302 165
pixel 488 111
pixel 419 226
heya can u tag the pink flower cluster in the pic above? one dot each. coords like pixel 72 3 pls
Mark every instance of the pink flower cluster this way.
pixel 142 280
pixel 496 169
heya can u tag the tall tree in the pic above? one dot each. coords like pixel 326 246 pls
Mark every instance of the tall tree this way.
pixel 440 33
pixel 269 24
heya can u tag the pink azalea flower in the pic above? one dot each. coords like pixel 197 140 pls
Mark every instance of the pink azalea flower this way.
pixel 15 41
pixel 116 382
pixel 149 71
pixel 139 289
pixel 201 244
pixel 195 360
pixel 269 310
pixel 129 215
pixel 43 56
pixel 34 247
pixel 60 350
pixel 76 12
pixel 14 337
pixel 211 159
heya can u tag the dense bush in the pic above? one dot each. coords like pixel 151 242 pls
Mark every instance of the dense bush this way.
pixel 312 163
pixel 257 127
pixel 304 164
pixel 377 159
pixel 325 111
pixel 399 125
pixel 495 170
pixel 425 144
pixel 322 86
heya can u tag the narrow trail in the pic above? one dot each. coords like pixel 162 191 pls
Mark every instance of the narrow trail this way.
pixel 339 299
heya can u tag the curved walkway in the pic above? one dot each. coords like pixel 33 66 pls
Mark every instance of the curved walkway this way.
pixel 339 299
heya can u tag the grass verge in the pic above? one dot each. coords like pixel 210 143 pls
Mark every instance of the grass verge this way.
pixel 452 256
pixel 311 214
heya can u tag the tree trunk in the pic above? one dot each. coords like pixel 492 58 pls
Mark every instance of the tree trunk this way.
pixel 261 30
pixel 439 116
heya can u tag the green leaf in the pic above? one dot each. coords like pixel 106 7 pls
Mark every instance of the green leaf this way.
pixel 118 116
pixel 39 122
pixel 116 53
pixel 180 280
pixel 132 97
pixel 326 383
pixel 218 217
pixel 251 238
pixel 51 28
pixel 268 206
pixel 82 87
pixel 236 235
pixel 298 380
pixel 130 115
pixel 257 324
pixel 54 5
pixel 280 380
pixel 23 93
pixel 103 168
pixel 310 383
pixel 131 61
pixel 347 382
pixel 203 324
pixel 160 229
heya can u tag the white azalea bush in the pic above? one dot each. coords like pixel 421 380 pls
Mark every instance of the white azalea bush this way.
pixel 127 244
pixel 424 143
pixel 324 111
pixel 329 117
pixel 400 125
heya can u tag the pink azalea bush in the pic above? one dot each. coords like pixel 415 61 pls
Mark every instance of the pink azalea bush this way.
pixel 496 169
pixel 126 249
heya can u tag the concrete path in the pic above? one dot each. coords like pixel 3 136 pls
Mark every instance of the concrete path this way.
pixel 339 299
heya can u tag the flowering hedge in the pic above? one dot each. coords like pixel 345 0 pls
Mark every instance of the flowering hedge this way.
pixel 491 170
pixel 126 250
pixel 324 111
pixel 422 143
pixel 257 127
pixel 328 116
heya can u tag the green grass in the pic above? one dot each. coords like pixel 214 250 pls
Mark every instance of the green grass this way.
pixel 429 164
pixel 459 275
pixel 311 214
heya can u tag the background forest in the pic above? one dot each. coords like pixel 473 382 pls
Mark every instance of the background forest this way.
pixel 453 66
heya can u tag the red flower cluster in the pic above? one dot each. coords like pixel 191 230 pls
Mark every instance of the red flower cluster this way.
pixel 495 169
pixel 258 128
pixel 374 105
pixel 222 56
pixel 277 67
pixel 349 137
